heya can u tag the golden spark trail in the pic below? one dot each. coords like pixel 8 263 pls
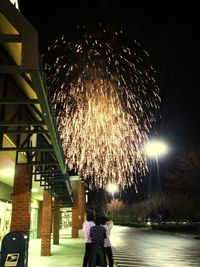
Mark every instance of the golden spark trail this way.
pixel 105 99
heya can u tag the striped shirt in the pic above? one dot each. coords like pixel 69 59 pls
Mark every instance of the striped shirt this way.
pixel 108 227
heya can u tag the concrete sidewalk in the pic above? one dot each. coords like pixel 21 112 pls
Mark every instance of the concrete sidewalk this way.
pixel 69 252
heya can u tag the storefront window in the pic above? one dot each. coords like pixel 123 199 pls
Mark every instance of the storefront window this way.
pixel 5 218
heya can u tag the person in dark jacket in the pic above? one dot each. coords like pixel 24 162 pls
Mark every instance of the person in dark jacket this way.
pixel 98 235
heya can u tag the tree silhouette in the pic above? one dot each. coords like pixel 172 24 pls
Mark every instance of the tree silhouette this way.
pixel 186 179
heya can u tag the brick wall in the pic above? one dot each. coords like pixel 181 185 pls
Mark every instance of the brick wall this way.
pixel 79 207
pixel 46 227
pixel 21 200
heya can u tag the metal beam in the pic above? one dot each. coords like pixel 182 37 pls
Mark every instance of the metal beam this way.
pixel 35 131
pixel 5 69
pixel 28 149
pixel 47 172
pixel 18 101
pixel 41 92
pixel 22 123
pixel 37 163
pixel 14 38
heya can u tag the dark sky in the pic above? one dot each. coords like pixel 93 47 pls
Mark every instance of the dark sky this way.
pixel 169 35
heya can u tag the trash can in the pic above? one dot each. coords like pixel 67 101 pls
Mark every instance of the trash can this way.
pixel 14 249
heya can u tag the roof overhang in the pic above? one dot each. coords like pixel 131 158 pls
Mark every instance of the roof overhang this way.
pixel 28 113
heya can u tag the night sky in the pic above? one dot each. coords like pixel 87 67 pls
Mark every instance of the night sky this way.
pixel 168 35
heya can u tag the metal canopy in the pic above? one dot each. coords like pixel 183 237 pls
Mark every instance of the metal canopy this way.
pixel 26 116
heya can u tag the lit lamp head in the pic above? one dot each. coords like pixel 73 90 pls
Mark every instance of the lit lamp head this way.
pixel 156 148
pixel 112 188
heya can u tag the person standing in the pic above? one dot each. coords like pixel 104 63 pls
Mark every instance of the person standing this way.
pixel 108 224
pixel 88 223
pixel 98 235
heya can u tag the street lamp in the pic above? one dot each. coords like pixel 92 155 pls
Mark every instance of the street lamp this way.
pixel 156 149
pixel 112 188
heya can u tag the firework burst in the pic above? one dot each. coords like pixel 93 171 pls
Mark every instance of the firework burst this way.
pixel 105 98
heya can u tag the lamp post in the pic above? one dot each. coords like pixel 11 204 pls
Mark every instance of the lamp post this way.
pixel 112 188
pixel 156 149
